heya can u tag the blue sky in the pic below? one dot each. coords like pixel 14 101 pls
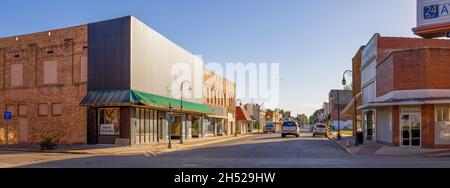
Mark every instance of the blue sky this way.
pixel 314 41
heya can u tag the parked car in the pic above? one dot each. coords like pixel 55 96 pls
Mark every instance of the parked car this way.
pixel 320 129
pixel 270 128
pixel 290 128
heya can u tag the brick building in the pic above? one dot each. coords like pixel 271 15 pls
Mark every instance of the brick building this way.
pixel 220 95
pixel 405 87
pixel 351 108
pixel 108 82
pixel 43 77
pixel 338 100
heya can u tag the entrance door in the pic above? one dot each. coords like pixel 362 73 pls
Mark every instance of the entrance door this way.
pixel 410 134
pixel 195 127
pixel 23 128
pixel 369 125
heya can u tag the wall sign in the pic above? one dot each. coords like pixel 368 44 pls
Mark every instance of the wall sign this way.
pixel 107 129
pixel 7 116
pixel 430 12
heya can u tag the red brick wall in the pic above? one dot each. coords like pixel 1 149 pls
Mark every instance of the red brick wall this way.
pixel 387 44
pixel 425 68
pixel 385 77
pixel 356 69
pixel 68 46
pixel 428 125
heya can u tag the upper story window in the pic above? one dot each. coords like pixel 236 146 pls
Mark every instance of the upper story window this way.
pixel 23 110
pixel 442 114
pixel 56 109
pixel 16 75
pixel 43 109
pixel 84 69
pixel 50 72
pixel 11 108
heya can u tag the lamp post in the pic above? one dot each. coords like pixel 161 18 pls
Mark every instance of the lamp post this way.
pixel 170 126
pixel 181 109
pixel 355 126
pixel 235 117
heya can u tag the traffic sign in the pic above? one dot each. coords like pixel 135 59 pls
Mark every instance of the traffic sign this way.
pixel 171 118
pixel 7 116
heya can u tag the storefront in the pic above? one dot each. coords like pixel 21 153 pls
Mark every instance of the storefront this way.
pixel 217 121
pixel 243 120
pixel 128 117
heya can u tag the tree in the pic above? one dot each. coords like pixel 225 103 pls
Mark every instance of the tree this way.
pixel 302 119
pixel 314 118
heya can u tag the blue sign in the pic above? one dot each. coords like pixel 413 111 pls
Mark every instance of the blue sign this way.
pixel 430 12
pixel 7 116
pixel 171 118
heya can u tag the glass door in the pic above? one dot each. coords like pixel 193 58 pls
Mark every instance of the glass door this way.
pixel 410 129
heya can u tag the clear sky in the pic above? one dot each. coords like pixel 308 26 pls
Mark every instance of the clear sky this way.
pixel 313 40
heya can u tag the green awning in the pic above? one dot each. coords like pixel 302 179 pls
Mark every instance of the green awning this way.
pixel 133 97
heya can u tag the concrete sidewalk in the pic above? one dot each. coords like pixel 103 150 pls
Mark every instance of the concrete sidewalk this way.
pixel 151 149
pixel 373 148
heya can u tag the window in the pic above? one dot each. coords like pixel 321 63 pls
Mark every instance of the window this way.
pixel 109 120
pixel 56 109
pixel 50 72
pixel 16 75
pixel 43 109
pixel 11 108
pixel 83 69
pixel 23 110
pixel 442 114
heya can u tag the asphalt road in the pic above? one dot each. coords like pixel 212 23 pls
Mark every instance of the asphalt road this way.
pixel 259 151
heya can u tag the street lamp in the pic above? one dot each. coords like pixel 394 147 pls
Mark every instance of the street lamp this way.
pixel 235 117
pixel 181 108
pixel 170 125
pixel 355 126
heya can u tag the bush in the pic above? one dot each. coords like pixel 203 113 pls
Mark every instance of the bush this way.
pixel 49 144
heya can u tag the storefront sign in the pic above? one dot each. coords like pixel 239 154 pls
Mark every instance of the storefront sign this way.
pixel 107 129
pixel 430 12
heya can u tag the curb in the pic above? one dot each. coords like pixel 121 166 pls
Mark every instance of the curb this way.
pixel 341 146
pixel 165 150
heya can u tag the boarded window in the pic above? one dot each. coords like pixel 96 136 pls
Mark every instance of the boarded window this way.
pixel 56 109
pixel 23 110
pixel 11 108
pixel 16 75
pixel 50 72
pixel 43 109
pixel 83 69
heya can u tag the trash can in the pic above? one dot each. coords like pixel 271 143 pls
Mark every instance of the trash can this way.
pixel 360 137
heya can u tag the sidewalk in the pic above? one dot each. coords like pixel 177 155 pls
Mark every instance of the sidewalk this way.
pixel 153 149
pixel 373 148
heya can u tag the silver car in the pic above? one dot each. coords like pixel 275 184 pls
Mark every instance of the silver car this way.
pixel 290 128
pixel 320 129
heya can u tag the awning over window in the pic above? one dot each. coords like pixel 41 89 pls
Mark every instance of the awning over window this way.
pixel 242 114
pixel 132 97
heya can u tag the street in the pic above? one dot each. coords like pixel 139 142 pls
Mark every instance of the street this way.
pixel 258 151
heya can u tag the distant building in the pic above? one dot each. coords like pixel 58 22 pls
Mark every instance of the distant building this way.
pixel 274 117
pixel 219 94
pixel 338 99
